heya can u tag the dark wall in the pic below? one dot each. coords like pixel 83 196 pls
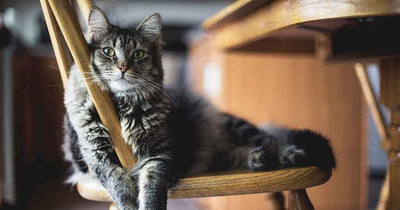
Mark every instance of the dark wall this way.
pixel 38 114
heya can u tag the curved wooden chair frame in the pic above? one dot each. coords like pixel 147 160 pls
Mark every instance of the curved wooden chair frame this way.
pixel 67 39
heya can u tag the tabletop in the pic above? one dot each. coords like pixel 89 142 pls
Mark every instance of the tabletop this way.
pixel 248 21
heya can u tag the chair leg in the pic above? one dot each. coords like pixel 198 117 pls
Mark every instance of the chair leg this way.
pixel 384 196
pixel 275 201
pixel 389 96
pixel 298 200
pixel 113 207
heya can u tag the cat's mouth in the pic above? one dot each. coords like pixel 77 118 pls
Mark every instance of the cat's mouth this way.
pixel 122 78
pixel 121 83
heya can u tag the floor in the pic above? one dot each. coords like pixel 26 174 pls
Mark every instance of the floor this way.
pixel 61 197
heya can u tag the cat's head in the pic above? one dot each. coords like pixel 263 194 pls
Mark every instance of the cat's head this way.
pixel 125 59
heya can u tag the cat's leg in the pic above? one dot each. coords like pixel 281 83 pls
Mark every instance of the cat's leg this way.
pixel 261 149
pixel 290 155
pixel 271 147
pixel 299 148
pixel 98 153
pixel 260 159
pixel 152 174
pixel 72 153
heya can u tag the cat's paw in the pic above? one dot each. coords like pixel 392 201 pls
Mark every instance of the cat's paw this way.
pixel 292 155
pixel 122 189
pixel 256 160
pixel 260 160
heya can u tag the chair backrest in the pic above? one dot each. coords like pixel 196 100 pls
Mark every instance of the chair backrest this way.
pixel 67 39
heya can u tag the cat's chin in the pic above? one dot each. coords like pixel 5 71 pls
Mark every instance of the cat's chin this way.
pixel 121 85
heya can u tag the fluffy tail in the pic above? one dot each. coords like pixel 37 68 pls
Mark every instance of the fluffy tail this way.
pixel 317 148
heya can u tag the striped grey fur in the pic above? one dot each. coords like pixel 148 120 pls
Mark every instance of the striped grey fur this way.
pixel 171 140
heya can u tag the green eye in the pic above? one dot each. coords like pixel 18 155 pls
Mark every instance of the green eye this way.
pixel 138 54
pixel 108 51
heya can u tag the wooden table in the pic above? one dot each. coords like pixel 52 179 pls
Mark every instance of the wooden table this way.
pixel 334 30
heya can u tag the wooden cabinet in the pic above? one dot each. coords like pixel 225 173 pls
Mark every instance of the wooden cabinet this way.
pixel 298 91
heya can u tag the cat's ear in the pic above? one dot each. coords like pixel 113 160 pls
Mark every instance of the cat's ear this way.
pixel 98 24
pixel 150 27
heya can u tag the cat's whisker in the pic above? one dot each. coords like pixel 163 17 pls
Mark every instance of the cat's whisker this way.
pixel 154 85
pixel 53 68
pixel 153 90
pixel 55 85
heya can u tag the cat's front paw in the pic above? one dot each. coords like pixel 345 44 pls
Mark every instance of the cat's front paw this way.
pixel 122 188
pixel 292 155
pixel 260 160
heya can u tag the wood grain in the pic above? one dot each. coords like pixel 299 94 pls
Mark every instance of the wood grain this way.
pixel 234 11
pixel 227 184
pixel 279 14
pixel 68 23
pixel 384 194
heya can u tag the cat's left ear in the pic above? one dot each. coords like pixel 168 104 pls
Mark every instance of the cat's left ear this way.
pixel 150 27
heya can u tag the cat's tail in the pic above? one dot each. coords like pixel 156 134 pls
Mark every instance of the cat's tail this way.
pixel 317 149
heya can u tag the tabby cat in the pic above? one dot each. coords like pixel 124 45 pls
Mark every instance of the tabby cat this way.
pixel 172 133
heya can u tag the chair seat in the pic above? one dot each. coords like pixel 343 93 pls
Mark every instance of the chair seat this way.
pixel 227 183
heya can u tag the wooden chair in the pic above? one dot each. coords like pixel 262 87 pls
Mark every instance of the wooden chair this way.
pixel 377 116
pixel 67 39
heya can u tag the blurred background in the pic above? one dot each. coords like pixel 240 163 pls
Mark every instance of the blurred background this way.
pixel 324 97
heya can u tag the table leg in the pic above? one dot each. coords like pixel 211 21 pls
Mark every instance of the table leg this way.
pixel 384 195
pixel 390 97
pixel 298 200
pixel 275 201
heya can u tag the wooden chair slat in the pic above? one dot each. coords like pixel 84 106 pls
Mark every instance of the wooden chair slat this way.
pixel 372 101
pixel 227 183
pixel 85 6
pixel 57 41
pixel 70 28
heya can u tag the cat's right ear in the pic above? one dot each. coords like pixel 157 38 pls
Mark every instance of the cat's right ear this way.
pixel 98 24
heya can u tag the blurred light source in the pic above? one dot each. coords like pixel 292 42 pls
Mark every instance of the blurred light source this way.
pixel 212 79
pixel 9 17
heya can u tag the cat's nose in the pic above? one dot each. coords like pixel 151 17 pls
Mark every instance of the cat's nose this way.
pixel 123 68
